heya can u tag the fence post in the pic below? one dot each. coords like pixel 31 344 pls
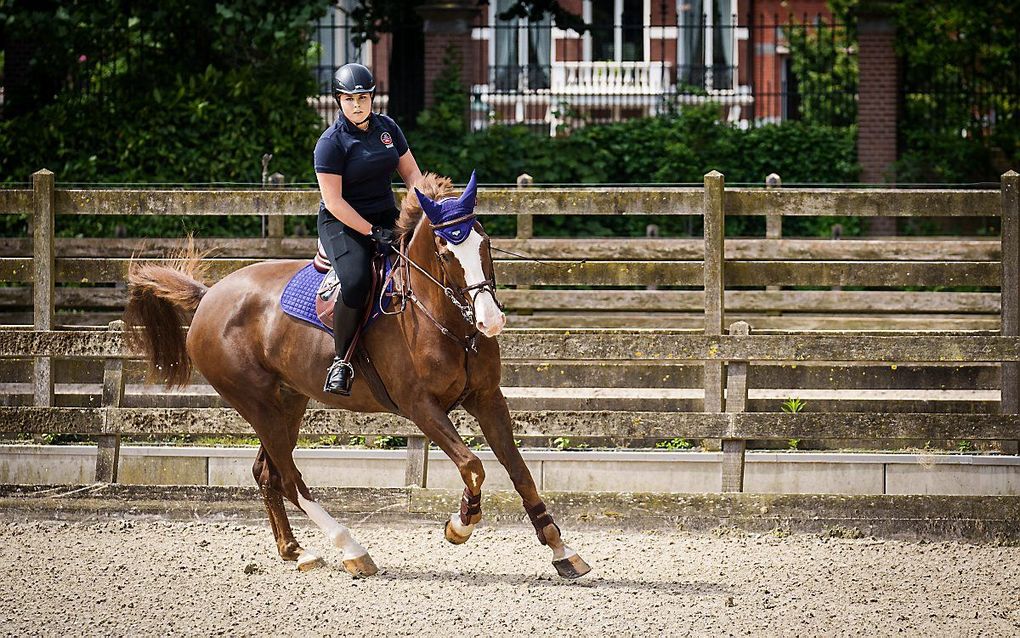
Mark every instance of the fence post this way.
pixel 275 224
pixel 715 285
pixel 525 223
pixel 525 230
pixel 736 402
pixel 773 221
pixel 1009 402
pixel 108 457
pixel 416 473
pixel 43 186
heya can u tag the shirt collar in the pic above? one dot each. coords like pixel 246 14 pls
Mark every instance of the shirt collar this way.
pixel 346 125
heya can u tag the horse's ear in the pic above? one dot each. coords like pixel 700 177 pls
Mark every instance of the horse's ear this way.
pixel 432 210
pixel 467 199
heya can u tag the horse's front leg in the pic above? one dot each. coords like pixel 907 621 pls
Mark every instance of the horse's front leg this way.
pixel 436 425
pixel 493 415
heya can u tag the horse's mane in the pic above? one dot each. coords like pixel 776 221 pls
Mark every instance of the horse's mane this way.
pixel 436 187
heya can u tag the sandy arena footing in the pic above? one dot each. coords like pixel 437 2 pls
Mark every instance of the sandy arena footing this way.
pixel 152 576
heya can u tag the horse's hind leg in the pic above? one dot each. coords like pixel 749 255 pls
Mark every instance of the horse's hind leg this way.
pixel 493 415
pixel 268 479
pixel 276 417
pixel 275 414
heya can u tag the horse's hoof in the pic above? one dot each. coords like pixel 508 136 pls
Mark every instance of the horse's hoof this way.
pixel 308 561
pixel 455 537
pixel 361 566
pixel 571 567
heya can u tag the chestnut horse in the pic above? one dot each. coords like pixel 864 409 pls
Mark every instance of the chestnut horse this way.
pixel 268 365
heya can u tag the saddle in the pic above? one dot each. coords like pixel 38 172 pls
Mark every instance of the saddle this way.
pixel 311 294
pixel 385 280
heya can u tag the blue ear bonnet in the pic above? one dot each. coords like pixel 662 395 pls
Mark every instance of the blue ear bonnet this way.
pixel 460 211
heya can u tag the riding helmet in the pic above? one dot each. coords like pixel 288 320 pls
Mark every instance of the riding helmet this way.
pixel 352 78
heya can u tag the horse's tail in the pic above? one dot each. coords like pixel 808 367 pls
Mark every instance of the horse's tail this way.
pixel 159 297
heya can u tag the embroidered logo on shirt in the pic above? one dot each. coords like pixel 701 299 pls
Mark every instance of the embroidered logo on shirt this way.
pixel 386 139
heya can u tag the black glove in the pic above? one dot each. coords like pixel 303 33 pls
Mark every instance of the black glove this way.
pixel 383 236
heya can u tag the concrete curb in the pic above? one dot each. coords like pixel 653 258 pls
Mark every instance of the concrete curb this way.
pixel 979 519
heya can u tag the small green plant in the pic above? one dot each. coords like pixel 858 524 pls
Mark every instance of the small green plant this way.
pixel 674 444
pixel 390 442
pixel 793 444
pixel 358 441
pixel 793 405
pixel 965 446
pixel 564 443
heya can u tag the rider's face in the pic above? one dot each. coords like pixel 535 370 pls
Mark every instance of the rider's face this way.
pixel 356 107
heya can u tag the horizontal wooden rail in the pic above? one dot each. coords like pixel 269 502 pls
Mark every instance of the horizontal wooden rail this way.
pixel 84 375
pixel 608 273
pixel 317 422
pixel 580 345
pixel 16 201
pixel 619 249
pixel 885 202
pixel 537 201
pixel 655 301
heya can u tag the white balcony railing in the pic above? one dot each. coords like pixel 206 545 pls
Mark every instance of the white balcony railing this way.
pixel 596 78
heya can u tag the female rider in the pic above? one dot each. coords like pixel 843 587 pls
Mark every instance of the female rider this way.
pixel 354 163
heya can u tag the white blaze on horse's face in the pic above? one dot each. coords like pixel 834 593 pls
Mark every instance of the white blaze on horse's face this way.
pixel 489 319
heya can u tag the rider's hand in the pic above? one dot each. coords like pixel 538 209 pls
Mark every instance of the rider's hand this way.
pixel 383 236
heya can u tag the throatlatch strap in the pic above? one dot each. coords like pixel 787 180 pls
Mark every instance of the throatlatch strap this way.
pixel 470 505
pixel 541 518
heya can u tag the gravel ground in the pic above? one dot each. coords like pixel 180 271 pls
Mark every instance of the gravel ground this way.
pixel 158 577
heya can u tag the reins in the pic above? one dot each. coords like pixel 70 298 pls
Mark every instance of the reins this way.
pixel 565 264
pixel 469 343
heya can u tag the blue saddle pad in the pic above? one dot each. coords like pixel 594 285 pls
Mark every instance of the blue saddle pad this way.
pixel 298 299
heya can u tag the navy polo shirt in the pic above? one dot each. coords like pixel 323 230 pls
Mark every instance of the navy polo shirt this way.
pixel 365 159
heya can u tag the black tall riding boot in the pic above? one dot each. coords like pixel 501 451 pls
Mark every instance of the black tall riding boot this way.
pixel 341 373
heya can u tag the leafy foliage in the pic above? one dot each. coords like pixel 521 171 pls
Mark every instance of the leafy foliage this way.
pixel 177 91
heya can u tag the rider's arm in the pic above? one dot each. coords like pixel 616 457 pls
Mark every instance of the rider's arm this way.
pixel 331 188
pixel 408 169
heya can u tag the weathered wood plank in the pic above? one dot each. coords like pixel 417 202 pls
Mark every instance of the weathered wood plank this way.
pixel 752 300
pixel 611 374
pixel 611 273
pixel 885 202
pixel 861 273
pixel 108 456
pixel 15 201
pixel 416 472
pixel 714 283
pixel 747 425
pixel 646 301
pixel 43 277
pixel 624 345
pixel 732 470
pixel 1010 286
pixel 785 322
pixel 621 249
pixel 187 202
pixel 552 201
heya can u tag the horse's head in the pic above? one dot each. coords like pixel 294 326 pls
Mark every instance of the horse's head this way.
pixel 465 254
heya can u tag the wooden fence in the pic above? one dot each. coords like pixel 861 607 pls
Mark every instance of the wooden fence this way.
pixel 951 356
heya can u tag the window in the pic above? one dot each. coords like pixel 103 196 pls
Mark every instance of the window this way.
pixel 705 46
pixel 523 51
pixel 336 48
pixel 618 31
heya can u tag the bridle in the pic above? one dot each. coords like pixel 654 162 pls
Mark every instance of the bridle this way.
pixel 459 297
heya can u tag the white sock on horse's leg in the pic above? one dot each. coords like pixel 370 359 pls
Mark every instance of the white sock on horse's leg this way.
pixel 459 527
pixel 339 535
